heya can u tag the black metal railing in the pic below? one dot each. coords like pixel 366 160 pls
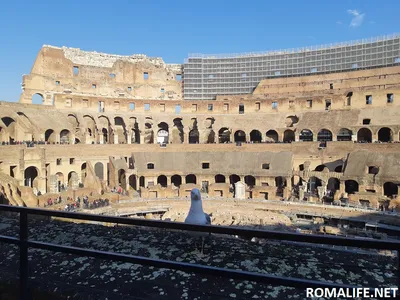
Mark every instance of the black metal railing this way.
pixel 24 243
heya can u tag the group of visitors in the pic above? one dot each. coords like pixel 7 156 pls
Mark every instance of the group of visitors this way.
pixel 96 203
pixel 51 202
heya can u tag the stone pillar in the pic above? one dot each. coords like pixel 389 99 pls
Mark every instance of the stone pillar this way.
pixel 297 137
pixel 101 139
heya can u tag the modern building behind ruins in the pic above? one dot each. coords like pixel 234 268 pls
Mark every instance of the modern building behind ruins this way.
pixel 261 122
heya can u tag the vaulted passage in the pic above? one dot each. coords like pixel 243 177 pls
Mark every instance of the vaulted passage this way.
pixel 364 135
pixel 240 136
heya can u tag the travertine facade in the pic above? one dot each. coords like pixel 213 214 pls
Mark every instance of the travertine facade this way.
pixel 158 145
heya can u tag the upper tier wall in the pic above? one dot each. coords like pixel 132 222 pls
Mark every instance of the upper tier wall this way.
pixel 68 70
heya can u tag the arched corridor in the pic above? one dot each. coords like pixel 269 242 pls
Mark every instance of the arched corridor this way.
pixel 191 178
pixel 240 136
pixel 385 135
pixel 324 135
pixel 271 136
pixel 224 135
pixel 30 176
pixel 255 136
pixel 162 180
pixel 219 178
pixel 364 135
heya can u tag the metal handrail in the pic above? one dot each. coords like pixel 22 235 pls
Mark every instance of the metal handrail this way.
pixel 24 243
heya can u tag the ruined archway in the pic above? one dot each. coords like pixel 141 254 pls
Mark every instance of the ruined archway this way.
pixel 271 136
pixel 120 133
pixel 191 178
pixel 333 186
pixel 255 136
pixel 50 136
pixel 234 178
pixel 288 136
pixel 73 180
pixel 194 136
pixel 250 180
pixel 177 131
pixel 385 135
pixel 390 189
pixel 132 182
pixel 313 184
pixel 344 135
pixel 176 180
pixel 224 135
pixel 141 181
pixel 240 136
pixel 122 178
pixel 351 186
pixel 306 135
pixel 364 135
pixel 162 180
pixel 65 136
pixel 37 99
pixel 30 176
pixel 324 135
pixel 163 133
pixel 83 171
pixel 219 178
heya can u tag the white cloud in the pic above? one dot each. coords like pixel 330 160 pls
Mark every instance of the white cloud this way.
pixel 339 22
pixel 358 18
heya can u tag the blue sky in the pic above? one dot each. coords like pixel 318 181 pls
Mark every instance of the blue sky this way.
pixel 172 29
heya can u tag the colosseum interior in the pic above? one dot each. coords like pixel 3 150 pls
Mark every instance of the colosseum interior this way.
pixel 298 141
pixel 109 122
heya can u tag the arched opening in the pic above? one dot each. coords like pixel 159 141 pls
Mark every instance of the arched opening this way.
pixel 122 178
pixel 219 178
pixel 324 135
pixel 8 133
pixel 234 178
pixel 255 136
pixel 30 175
pixel 288 136
pixel 132 182
pixel 60 181
pixel 37 99
pixel 332 187
pixel 64 136
pixel 120 130
pixel 385 135
pixel 320 168
pixel 141 181
pixel 271 136
pixel 73 180
pixel 194 136
pixel 351 186
pixel 364 135
pixel 240 136
pixel 99 170
pixel 176 180
pixel 339 169
pixel 250 180
pixel 162 180
pixel 313 184
pixel 77 141
pixel 83 171
pixel 49 136
pixel 291 120
pixel 306 135
pixel 163 133
pixel 177 131
pixel 390 189
pixel 105 135
pixel 280 182
pixel 191 178
pixel 344 135
pixel 224 135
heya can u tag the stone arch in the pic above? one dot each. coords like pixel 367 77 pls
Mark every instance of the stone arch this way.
pixel 99 170
pixel 332 186
pixel 385 135
pixel 344 134
pixel 65 136
pixel 306 135
pixel 120 130
pixel 288 136
pixel 219 178
pixel 8 133
pixel 280 181
pixel 351 186
pixel 73 120
pixel 224 135
pixel 271 136
pixel 90 129
pixel 390 189
pixel 50 136
pixel 364 135
pixel 191 178
pixel 37 98
pixel 255 136
pixel 60 181
pixel 83 171
pixel 324 135
pixel 194 136
pixel 163 133
pixel 148 131
pixel 176 180
pixel 240 136
pixel 73 180
pixel 320 168
pixel 313 184
pixel 132 182
pixel 209 134
pixel 30 176
pixel 234 178
pixel 177 131
pixel 104 132
pixel 162 180
pixel 122 178
pixel 141 181
pixel 250 180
